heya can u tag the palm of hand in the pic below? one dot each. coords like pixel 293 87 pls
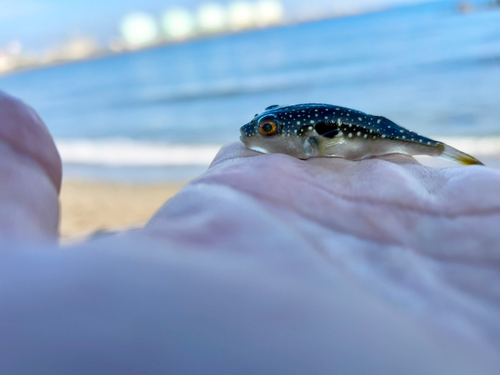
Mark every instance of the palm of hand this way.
pixel 380 266
pixel 422 239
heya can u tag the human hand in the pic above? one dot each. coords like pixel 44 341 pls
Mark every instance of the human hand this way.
pixel 269 264
pixel 423 240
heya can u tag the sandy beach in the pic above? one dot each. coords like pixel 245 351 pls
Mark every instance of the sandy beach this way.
pixel 88 206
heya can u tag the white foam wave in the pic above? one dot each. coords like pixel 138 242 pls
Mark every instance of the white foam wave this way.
pixel 476 146
pixel 123 152
pixel 120 152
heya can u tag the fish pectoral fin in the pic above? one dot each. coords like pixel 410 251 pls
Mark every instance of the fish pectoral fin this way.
pixel 452 154
pixel 328 146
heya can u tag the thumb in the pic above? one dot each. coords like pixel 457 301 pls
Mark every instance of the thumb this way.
pixel 30 174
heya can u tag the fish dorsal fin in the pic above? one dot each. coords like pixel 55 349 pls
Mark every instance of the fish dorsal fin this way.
pixel 272 106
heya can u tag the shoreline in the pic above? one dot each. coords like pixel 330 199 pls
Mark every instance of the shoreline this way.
pixel 104 54
pixel 108 53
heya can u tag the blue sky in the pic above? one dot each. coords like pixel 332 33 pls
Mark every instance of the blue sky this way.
pixel 41 24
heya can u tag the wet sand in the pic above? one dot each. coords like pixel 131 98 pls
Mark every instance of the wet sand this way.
pixel 87 207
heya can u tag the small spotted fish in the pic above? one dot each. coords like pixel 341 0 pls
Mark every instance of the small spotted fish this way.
pixel 311 130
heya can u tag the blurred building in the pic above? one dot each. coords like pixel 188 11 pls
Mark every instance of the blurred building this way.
pixel 76 49
pixel 11 56
pixel 139 29
pixel 212 18
pixel 117 44
pixel 242 15
pixel 178 24
pixel 269 12
pixel 7 63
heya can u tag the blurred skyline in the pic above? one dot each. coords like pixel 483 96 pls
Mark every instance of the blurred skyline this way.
pixel 41 25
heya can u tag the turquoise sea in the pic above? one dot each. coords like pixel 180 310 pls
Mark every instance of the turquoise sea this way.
pixel 162 113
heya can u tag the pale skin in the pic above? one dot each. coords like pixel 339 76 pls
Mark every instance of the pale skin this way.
pixel 265 264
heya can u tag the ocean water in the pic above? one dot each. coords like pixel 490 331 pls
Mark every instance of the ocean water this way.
pixel 163 113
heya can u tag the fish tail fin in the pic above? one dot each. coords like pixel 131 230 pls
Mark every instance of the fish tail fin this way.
pixel 452 154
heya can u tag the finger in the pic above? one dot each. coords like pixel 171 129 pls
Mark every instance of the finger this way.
pixel 30 174
pixel 23 130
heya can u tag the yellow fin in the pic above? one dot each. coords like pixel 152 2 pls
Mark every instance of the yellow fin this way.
pixel 452 154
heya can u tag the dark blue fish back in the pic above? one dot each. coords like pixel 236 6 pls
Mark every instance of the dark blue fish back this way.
pixel 329 120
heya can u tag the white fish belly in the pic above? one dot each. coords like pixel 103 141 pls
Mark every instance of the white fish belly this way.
pixel 356 149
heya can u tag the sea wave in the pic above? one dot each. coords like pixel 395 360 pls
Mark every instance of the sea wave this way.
pixel 126 152
pixel 476 146
pixel 123 152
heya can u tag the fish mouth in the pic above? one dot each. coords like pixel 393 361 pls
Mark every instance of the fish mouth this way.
pixel 243 134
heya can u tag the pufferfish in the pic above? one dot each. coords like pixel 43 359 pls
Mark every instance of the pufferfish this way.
pixel 313 130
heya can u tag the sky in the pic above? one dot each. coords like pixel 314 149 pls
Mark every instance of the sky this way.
pixel 43 24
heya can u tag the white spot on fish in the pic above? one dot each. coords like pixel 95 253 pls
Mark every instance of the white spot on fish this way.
pixel 350 135
pixel 378 121
pixel 383 135
pixel 359 134
pixel 312 121
pixel 401 131
pixel 366 135
pixel 298 122
pixel 310 128
pixel 360 119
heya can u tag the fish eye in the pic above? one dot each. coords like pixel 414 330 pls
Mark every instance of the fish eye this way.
pixel 267 127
